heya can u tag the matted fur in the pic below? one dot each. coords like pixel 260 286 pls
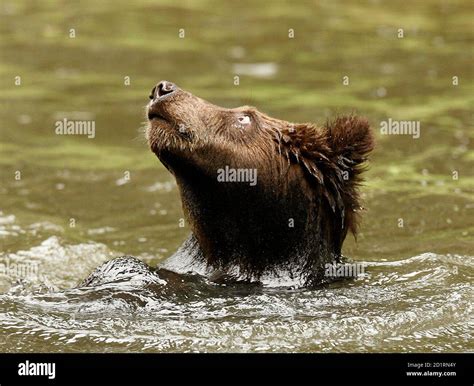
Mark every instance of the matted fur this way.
pixel 306 199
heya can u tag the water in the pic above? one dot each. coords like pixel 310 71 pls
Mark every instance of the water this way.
pixel 416 293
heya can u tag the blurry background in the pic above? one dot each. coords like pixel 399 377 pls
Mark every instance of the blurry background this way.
pixel 298 79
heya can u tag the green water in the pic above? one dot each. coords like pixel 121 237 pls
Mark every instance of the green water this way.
pixel 417 231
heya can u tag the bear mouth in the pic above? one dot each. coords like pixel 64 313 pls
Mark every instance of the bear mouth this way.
pixel 155 116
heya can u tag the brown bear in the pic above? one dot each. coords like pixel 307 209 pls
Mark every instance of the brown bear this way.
pixel 262 195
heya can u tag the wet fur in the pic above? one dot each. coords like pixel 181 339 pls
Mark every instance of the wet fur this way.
pixel 306 173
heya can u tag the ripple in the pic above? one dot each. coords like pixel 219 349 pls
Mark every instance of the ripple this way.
pixel 414 304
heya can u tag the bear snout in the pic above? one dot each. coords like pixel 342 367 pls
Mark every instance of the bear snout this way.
pixel 161 89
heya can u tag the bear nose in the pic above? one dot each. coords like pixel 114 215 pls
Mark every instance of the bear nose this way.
pixel 162 88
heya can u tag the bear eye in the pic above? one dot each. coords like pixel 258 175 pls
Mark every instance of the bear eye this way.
pixel 244 120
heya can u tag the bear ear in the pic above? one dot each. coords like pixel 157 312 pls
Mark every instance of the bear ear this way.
pixel 350 139
pixel 332 156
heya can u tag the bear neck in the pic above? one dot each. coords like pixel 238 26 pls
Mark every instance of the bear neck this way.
pixel 257 231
